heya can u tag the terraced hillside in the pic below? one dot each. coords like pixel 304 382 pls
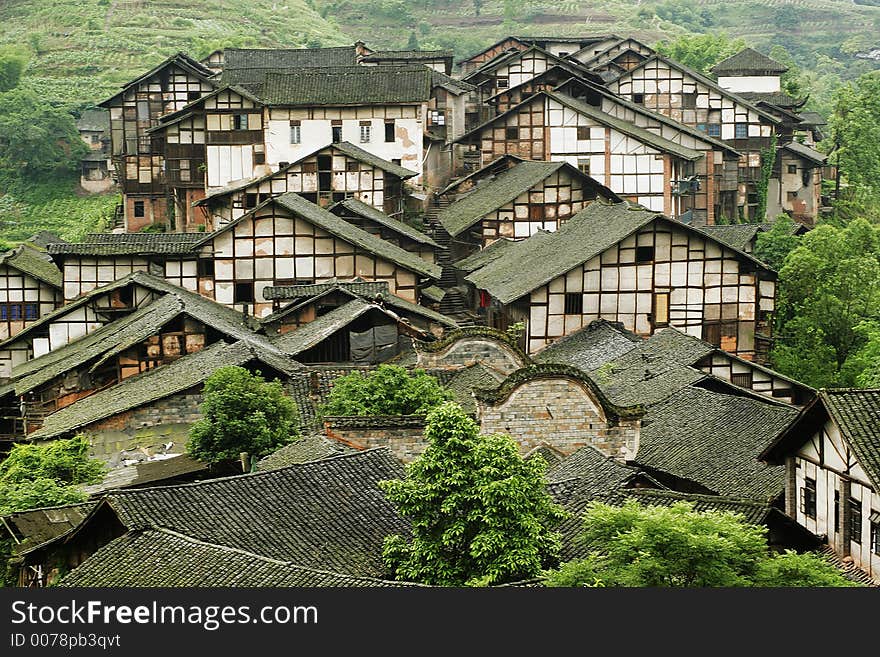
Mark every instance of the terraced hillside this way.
pixel 82 50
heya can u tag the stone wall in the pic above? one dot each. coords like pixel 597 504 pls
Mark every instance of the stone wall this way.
pixel 469 349
pixel 403 434
pixel 561 412
pixel 145 429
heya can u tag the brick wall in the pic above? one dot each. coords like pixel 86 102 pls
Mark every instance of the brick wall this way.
pixel 403 434
pixel 559 412
pixel 470 350
pixel 146 428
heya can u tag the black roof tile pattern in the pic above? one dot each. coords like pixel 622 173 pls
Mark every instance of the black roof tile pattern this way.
pixel 857 414
pixel 129 244
pixel 294 58
pixel 746 61
pixel 590 347
pixel 36 526
pixel 164 558
pixel 310 447
pixel 593 469
pixel 361 209
pixel 33 262
pixel 348 85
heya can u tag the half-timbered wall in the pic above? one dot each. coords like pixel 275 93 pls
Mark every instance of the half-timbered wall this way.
pixel 588 52
pixel 234 137
pixel 273 247
pixel 521 133
pixel 795 192
pixel 83 274
pixel 746 375
pixel 662 88
pixel 519 70
pixel 362 126
pixel 322 178
pixel 828 461
pixel 660 276
pixel 23 300
pixel 424 251
pixel 478 60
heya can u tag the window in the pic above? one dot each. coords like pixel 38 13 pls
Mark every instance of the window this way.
pixel 584 166
pixel 239 121
pixel 295 133
pixel 713 129
pixel 206 267
pixel 336 133
pixel 259 157
pixel 808 498
pixel 837 511
pixel 741 130
pixel 352 166
pixel 366 131
pixel 689 101
pixel 875 533
pixel 18 311
pixel 742 379
pixel 661 309
pixel 501 83
pixel 96 139
pixel 389 131
pixel 792 168
pixel 855 520
pixel 574 303
pixel 583 132
pixel 30 311
pixel 438 117
pixel 712 334
pixel 511 132
pixel 251 201
pixel 139 210
pixel 244 292
pixel 639 99
pixel 562 53
pixel 644 254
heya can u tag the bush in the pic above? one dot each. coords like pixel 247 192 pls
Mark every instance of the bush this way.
pixel 388 390
pixel 242 412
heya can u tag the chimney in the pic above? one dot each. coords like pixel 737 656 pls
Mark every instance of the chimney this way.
pixel 244 457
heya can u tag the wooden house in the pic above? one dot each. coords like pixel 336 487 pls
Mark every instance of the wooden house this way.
pixel 559 46
pixel 438 60
pixel 287 240
pixel 616 58
pixel 831 455
pixel 630 265
pixel 93 126
pixel 665 86
pixel 329 175
pixel 138 158
pixel 515 198
pixel 30 288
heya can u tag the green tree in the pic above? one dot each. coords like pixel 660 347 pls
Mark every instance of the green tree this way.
pixel 34 476
pixel 829 286
pixel 855 130
pixel 791 81
pixel 676 546
pixel 12 64
pixel 774 245
pixel 387 390
pixel 242 412
pixel 480 513
pixel 36 138
pixel 768 160
pixel 700 51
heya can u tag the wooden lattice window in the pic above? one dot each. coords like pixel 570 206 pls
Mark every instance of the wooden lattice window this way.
pixel 689 101
pixel 808 498
pixel 574 303
pixel 18 311
pixel 741 131
pixel 742 379
pixel 875 535
pixel 139 209
pixel 855 520
pixel 583 132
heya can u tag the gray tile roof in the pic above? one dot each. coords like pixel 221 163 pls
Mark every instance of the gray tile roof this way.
pixel 361 209
pixel 588 464
pixel 857 414
pixel 321 328
pixel 164 558
pixel 357 286
pixel 590 347
pixel 415 55
pixel 328 514
pixel 714 440
pixel 29 260
pixel 485 255
pixel 310 447
pixel 465 381
pixel 780 99
pixel 36 526
pixel 806 152
pixel 544 256
pixel 748 60
pixel 293 58
pixel 155 384
pixel 129 244
pixel 94 120
pixel 348 85
pixel 492 194
pixel 738 236
pixel 340 228
pixel 148 471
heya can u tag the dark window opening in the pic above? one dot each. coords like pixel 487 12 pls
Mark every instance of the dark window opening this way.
pixel 337 133
pixel 352 167
pixel 742 379
pixel 875 537
pixel 502 83
pixel 639 99
pixel 206 267
pixel 259 158
pixel 19 311
pixel 239 121
pixel 139 209
pixel 792 168
pixel 574 303
pixel 644 254
pixel 583 132
pixel 511 133
pixel 325 163
pixel 712 334
pixel 808 498
pixel 837 511
pixel 193 95
pixel 244 292
pixel 741 131
pixel 689 101
pixel 251 201
pixel 389 131
pixel 855 520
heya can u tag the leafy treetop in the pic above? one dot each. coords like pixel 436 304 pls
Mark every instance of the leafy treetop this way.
pixel 387 390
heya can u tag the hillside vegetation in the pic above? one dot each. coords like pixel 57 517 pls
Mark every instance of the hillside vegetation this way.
pixel 82 50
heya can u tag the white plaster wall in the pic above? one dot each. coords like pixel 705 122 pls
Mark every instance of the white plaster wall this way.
pixel 755 83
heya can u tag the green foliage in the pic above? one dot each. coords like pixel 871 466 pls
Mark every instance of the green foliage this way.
pixel 241 412
pixel 387 390
pixel 515 331
pixel 676 546
pixel 700 51
pixel 855 127
pixel 36 138
pixel 679 12
pixel 829 292
pixel 12 64
pixel 480 513
pixel 774 245
pixel 34 476
pixel 768 160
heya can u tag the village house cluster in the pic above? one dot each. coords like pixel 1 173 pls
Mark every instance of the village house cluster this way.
pixel 553 228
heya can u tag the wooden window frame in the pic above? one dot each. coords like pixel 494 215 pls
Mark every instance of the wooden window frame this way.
pixel 740 126
pixel 855 520
pixel 808 498
pixel 574 303
pixel 389 131
pixel 139 208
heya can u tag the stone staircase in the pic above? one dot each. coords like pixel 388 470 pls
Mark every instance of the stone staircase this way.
pixel 454 303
